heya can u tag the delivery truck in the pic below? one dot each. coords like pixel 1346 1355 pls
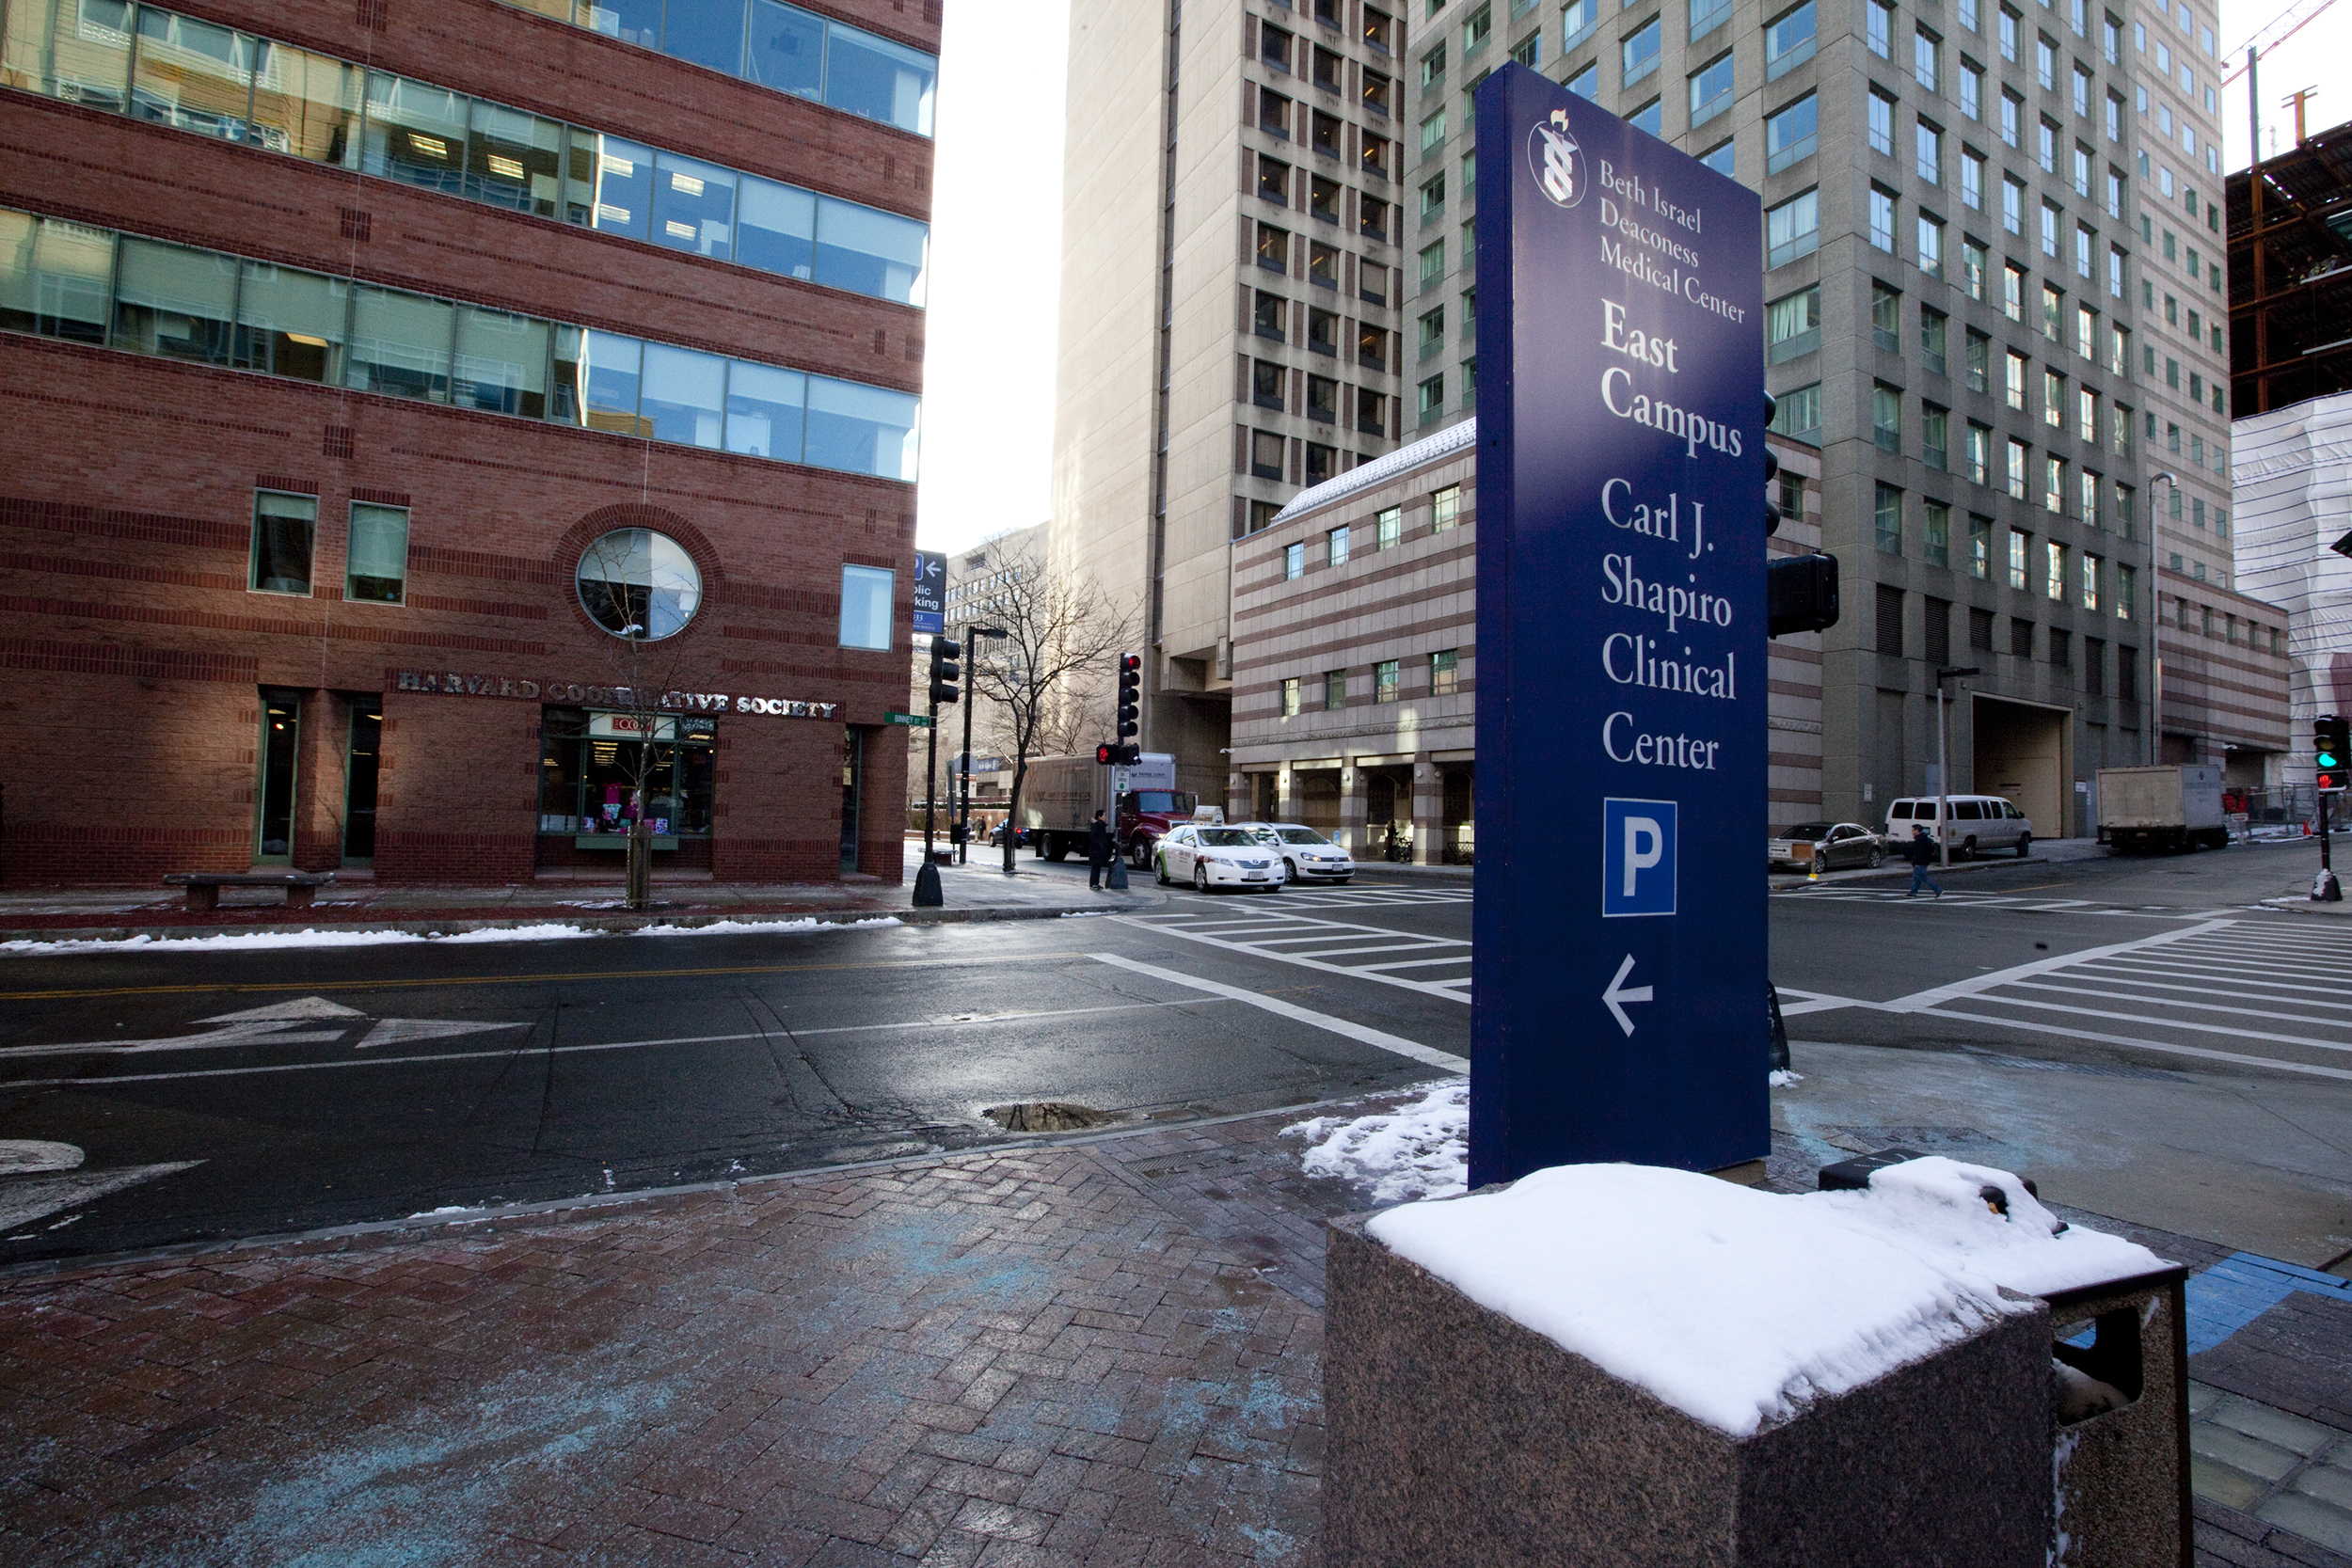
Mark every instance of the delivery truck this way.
pixel 2176 806
pixel 1060 796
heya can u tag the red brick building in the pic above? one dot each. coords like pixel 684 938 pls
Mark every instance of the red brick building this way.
pixel 424 426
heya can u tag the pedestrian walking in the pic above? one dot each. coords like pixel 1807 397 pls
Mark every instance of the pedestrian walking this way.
pixel 1922 852
pixel 1098 851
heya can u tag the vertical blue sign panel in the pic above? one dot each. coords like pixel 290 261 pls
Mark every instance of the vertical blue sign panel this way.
pixel 1621 648
pixel 930 592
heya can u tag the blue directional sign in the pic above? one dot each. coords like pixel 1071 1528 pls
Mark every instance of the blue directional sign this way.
pixel 930 592
pixel 1621 646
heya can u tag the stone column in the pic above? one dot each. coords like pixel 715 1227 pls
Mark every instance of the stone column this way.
pixel 1237 801
pixel 1428 807
pixel 1353 799
pixel 1286 795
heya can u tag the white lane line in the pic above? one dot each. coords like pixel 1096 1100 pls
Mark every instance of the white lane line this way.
pixel 2119 974
pixel 1426 987
pixel 24 1202
pixel 106 1080
pixel 1291 1010
pixel 2136 1043
pixel 1385 947
pixel 2237 1009
pixel 1417 963
pixel 1958 989
pixel 2142 1020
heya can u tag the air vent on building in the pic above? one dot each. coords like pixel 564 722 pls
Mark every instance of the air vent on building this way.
pixel 356 222
pixel 914 348
pixel 338 441
pixel 879 343
pixel 371 14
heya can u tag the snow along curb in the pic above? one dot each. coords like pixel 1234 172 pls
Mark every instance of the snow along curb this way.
pixel 588 925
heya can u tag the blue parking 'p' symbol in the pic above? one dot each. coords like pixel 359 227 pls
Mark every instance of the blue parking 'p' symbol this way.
pixel 1637 856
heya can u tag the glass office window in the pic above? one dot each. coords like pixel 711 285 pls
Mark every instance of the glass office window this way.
pixel 1788 40
pixel 400 345
pixel 291 322
pixel 863 430
pixel 1793 229
pixel 514 159
pixel 283 529
pixel 766 408
pixel 865 595
pixel 870 251
pixel 683 395
pixel 192 75
pixel 1639 50
pixel 376 565
pixel 693 206
pixel 77 49
pixel 502 364
pixel 787 50
pixel 1792 325
pixel 305 106
pixel 1792 134
pixel 616 179
pixel 879 79
pixel 775 227
pixel 609 367
pixel 174 301
pixel 416 134
pixel 55 277
pixel 708 32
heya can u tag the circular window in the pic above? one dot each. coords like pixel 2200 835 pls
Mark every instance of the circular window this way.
pixel 639 584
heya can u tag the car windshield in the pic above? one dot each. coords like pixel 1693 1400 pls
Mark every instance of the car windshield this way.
pixel 1227 838
pixel 1302 835
pixel 1167 802
pixel 1807 830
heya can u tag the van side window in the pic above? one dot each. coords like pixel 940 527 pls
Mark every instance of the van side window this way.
pixel 1898 812
pixel 1968 811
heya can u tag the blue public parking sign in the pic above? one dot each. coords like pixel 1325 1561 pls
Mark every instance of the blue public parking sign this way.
pixel 1621 646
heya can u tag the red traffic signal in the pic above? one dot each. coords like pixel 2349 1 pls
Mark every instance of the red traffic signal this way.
pixel 1105 756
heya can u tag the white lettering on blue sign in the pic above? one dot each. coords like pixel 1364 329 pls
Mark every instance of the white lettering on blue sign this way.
pixel 1637 842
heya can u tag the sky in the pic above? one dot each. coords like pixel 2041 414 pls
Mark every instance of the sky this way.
pixel 988 364
pixel 2296 64
pixel 994 274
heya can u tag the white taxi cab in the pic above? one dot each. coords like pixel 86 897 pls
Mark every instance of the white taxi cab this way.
pixel 1211 856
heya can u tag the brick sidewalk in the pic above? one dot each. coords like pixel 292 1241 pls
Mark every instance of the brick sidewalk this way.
pixel 1014 1358
pixel 1099 1353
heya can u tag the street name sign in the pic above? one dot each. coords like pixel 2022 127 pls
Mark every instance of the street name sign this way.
pixel 1621 647
pixel 918 721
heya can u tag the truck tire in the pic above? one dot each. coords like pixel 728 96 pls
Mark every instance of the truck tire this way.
pixel 1056 847
pixel 2025 843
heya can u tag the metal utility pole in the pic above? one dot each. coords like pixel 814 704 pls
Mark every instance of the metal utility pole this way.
pixel 1944 767
pixel 964 813
pixel 944 677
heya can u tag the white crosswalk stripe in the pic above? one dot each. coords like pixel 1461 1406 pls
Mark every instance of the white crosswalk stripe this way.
pixel 2251 994
pixel 2025 903
pixel 1375 898
pixel 1440 966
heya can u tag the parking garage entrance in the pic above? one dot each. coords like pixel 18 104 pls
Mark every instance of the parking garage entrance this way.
pixel 2020 755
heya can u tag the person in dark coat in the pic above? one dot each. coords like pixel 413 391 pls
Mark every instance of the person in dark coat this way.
pixel 1098 850
pixel 1921 852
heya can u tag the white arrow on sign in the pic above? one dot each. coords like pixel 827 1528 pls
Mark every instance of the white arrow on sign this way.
pixel 1620 994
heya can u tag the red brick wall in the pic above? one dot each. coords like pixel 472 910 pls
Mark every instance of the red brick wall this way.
pixel 131 646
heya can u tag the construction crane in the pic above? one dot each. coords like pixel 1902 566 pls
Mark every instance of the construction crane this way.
pixel 2273 33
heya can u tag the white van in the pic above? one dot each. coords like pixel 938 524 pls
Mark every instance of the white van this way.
pixel 1979 823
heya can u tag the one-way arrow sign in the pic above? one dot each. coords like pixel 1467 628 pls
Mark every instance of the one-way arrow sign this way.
pixel 1620 994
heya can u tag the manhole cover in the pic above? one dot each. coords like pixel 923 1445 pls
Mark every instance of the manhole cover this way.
pixel 1046 1116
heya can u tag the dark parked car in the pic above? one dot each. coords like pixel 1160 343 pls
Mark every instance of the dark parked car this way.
pixel 1837 846
pixel 1021 836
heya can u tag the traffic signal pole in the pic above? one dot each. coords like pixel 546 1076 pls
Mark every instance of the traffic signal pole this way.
pixel 2331 749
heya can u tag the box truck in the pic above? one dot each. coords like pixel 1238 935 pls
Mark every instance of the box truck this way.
pixel 2176 806
pixel 1060 796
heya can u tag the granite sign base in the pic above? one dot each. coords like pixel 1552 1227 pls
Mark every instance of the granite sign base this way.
pixel 1458 1438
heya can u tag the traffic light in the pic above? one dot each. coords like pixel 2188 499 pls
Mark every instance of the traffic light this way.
pixel 1771 467
pixel 945 670
pixel 1105 757
pixel 1800 594
pixel 2333 751
pixel 1118 756
pixel 1130 694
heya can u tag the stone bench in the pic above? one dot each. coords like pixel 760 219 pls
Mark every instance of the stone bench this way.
pixel 302 886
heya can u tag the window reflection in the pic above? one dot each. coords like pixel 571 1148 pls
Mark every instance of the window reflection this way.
pixel 55 277
pixel 400 345
pixel 514 159
pixel 416 134
pixel 681 395
pixel 869 252
pixel 775 227
pixel 501 362
pixel 787 50
pixel 76 50
pixel 617 177
pixel 174 302
pixel 693 206
pixel 708 32
pixel 291 322
pixel 765 409
pixel 609 369
pixel 192 75
pixel 305 106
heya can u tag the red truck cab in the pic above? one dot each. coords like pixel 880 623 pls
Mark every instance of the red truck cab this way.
pixel 1144 814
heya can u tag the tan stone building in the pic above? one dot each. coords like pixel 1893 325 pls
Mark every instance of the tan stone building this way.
pixel 1229 334
pixel 2224 677
pixel 1356 658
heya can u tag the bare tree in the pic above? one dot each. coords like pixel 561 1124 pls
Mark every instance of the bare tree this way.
pixel 1048 679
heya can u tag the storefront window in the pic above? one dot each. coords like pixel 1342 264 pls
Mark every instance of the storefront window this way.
pixel 593 766
pixel 639 584
pixel 281 743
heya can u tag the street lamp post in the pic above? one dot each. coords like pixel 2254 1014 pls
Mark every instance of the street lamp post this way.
pixel 1943 766
pixel 972 662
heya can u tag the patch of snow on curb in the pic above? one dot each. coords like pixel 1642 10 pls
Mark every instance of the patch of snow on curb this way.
pixel 1417 1150
pixel 762 928
pixel 1783 1078
pixel 546 931
pixel 242 941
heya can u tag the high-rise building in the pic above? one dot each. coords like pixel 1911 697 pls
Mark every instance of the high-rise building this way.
pixel 440 435
pixel 2291 274
pixel 1229 309
pixel 2295 498
pixel 1993 300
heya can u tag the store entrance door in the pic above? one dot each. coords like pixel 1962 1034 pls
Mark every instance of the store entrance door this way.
pixel 359 780
pixel 274 801
pixel 853 785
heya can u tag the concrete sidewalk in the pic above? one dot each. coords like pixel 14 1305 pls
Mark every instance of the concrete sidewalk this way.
pixel 978 891
pixel 1091 1351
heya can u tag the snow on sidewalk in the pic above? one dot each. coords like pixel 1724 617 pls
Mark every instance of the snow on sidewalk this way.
pixel 1417 1150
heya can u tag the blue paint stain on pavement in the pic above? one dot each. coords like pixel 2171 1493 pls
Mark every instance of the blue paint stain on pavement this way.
pixel 2241 1288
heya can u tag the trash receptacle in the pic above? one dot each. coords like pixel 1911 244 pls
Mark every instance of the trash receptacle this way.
pixel 2121 1459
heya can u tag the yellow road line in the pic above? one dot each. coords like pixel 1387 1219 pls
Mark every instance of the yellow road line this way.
pixel 575 975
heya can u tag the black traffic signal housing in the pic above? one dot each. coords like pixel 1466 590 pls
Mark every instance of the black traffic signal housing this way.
pixel 945 673
pixel 1105 757
pixel 1771 467
pixel 2332 751
pixel 1118 756
pixel 1800 594
pixel 1130 694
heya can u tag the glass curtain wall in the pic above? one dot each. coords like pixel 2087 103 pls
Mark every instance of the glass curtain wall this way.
pixel 208 308
pixel 212 81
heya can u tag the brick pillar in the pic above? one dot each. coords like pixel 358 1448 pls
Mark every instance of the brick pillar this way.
pixel 1428 806
pixel 319 785
pixel 1353 796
